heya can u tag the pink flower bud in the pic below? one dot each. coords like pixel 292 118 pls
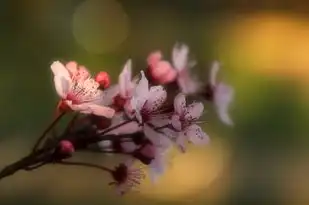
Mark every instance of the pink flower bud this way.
pixel 154 58
pixel 66 147
pixel 163 72
pixel 103 79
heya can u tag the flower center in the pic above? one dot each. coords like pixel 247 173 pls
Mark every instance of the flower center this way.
pixel 84 91
pixel 120 174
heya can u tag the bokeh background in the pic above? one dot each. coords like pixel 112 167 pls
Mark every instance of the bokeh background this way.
pixel 263 47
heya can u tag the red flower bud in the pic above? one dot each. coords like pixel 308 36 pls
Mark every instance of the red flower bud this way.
pixel 103 79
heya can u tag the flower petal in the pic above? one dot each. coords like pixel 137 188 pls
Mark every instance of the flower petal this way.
pixel 62 85
pixel 187 83
pixel 154 58
pixel 180 103
pixel 94 109
pixel 224 95
pixel 214 72
pixel 156 98
pixel 176 122
pixel 72 67
pixel 196 135
pixel 157 166
pixel 141 93
pixel 158 139
pixel 59 69
pixel 124 79
pixel 180 56
pixel 194 111
pixel 109 94
pixel 128 147
pixel 181 141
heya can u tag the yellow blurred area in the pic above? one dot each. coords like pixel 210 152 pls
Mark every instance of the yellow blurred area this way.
pixel 188 175
pixel 100 26
pixel 269 43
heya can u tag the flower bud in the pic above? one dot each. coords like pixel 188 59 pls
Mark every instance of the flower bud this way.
pixel 103 79
pixel 163 72
pixel 66 147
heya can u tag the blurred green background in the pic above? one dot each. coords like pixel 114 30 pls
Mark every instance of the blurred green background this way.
pixel 263 46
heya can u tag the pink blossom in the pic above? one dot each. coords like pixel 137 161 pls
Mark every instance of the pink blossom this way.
pixel 126 177
pixel 160 70
pixel 161 144
pixel 103 79
pixel 223 95
pixel 78 90
pixel 180 57
pixel 119 95
pixel 147 101
pixel 184 120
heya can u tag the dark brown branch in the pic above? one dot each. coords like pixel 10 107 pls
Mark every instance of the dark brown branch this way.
pixel 40 139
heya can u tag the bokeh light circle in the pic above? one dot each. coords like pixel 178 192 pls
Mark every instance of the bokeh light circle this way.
pixel 100 26
pixel 268 43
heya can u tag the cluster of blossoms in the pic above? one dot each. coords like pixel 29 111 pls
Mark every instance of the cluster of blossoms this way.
pixel 141 117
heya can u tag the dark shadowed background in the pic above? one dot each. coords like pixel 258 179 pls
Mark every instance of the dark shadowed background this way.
pixel 263 47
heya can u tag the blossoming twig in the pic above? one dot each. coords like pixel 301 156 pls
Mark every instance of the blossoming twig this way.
pixel 141 118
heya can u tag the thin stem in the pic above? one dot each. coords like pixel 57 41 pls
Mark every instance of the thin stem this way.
pixel 114 127
pixel 40 139
pixel 71 123
pixel 85 164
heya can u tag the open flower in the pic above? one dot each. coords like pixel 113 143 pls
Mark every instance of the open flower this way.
pixel 180 57
pixel 78 90
pixel 146 101
pixel 222 95
pixel 126 177
pixel 119 95
pixel 185 121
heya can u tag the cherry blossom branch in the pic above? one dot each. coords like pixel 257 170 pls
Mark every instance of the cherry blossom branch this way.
pixel 47 154
pixel 115 127
pixel 40 139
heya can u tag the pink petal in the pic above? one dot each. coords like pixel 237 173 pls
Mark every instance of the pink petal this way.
pixel 72 67
pixel 160 120
pixel 62 86
pixel 224 95
pixel 83 73
pixel 94 109
pixel 109 94
pixel 140 95
pixel 149 151
pixel 214 72
pixel 59 69
pixel 180 103
pixel 180 56
pixel 154 58
pixel 156 98
pixel 196 135
pixel 194 111
pixel 176 122
pixel 124 79
pixel 187 84
pixel 181 141
pixel 161 69
pixel 157 167
pixel 169 77
pixel 128 147
pixel 156 138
